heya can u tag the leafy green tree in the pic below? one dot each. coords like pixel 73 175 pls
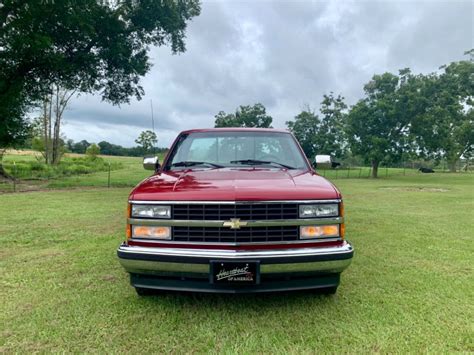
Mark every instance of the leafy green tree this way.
pixel 147 140
pixel 14 126
pixel 377 126
pixel 445 129
pixel 93 151
pixel 331 134
pixel 87 46
pixel 245 116
pixel 322 134
pixel 48 127
pixel 112 149
pixel 305 127
pixel 80 147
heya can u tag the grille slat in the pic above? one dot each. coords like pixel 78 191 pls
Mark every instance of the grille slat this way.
pixel 244 235
pixel 245 211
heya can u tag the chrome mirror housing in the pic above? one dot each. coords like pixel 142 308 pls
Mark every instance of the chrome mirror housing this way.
pixel 151 163
pixel 323 161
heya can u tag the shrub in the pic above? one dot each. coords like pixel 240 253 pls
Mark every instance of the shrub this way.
pixel 93 151
pixel 78 169
pixel 67 167
pixel 38 166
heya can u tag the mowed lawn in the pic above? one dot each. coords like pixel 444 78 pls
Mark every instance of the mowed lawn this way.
pixel 410 286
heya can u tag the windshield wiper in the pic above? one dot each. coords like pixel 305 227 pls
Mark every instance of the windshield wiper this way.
pixel 194 163
pixel 260 162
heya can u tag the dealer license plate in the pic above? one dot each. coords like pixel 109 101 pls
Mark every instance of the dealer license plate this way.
pixel 245 273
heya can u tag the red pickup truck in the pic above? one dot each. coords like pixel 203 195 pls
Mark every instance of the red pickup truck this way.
pixel 234 210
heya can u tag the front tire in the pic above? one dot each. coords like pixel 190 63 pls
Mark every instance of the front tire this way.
pixel 329 290
pixel 144 291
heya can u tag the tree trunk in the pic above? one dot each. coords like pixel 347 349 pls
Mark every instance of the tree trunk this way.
pixel 56 152
pixel 57 125
pixel 452 158
pixel 50 115
pixel 452 165
pixel 45 129
pixel 375 168
pixel 3 173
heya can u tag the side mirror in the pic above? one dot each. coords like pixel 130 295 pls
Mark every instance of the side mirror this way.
pixel 151 163
pixel 323 161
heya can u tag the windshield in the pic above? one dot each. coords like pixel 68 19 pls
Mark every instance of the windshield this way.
pixel 236 149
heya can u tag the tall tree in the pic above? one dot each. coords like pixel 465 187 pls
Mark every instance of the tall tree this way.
pixel 305 127
pixel 377 126
pixel 86 45
pixel 53 107
pixel 147 140
pixel 445 129
pixel 14 126
pixel 322 134
pixel 245 116
pixel 331 137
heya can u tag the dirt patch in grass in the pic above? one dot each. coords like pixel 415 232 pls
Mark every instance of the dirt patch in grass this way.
pixel 415 188
pixel 110 278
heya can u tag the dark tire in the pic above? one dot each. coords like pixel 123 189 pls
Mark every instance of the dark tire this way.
pixel 329 290
pixel 145 291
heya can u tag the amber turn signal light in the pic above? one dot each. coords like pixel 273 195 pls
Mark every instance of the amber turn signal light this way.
pixel 151 232
pixel 128 230
pixel 307 232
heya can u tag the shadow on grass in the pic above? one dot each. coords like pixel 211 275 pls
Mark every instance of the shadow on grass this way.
pixel 237 302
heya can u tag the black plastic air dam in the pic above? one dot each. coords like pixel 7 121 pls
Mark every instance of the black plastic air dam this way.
pixel 203 285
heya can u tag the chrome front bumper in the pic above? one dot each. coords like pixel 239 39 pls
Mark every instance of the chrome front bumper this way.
pixel 164 264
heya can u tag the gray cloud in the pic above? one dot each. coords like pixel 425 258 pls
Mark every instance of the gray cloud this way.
pixel 283 54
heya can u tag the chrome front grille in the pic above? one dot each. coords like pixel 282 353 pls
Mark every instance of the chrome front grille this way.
pixel 246 212
pixel 243 235
pixel 235 222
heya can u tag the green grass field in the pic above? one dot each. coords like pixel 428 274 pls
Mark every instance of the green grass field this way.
pixel 128 175
pixel 410 287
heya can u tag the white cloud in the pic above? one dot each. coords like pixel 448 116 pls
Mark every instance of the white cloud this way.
pixel 283 54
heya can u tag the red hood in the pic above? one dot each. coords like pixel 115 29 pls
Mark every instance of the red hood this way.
pixel 235 184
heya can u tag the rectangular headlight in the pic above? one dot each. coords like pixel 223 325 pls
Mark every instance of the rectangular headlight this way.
pixel 309 232
pixel 151 232
pixel 320 210
pixel 151 211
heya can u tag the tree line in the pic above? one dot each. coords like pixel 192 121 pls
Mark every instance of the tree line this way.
pixel 146 145
pixel 402 116
pixel 107 148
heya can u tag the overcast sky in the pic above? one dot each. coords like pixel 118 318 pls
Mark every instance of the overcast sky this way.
pixel 284 54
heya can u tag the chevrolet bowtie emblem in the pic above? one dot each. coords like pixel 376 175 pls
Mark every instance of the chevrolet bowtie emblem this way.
pixel 234 223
